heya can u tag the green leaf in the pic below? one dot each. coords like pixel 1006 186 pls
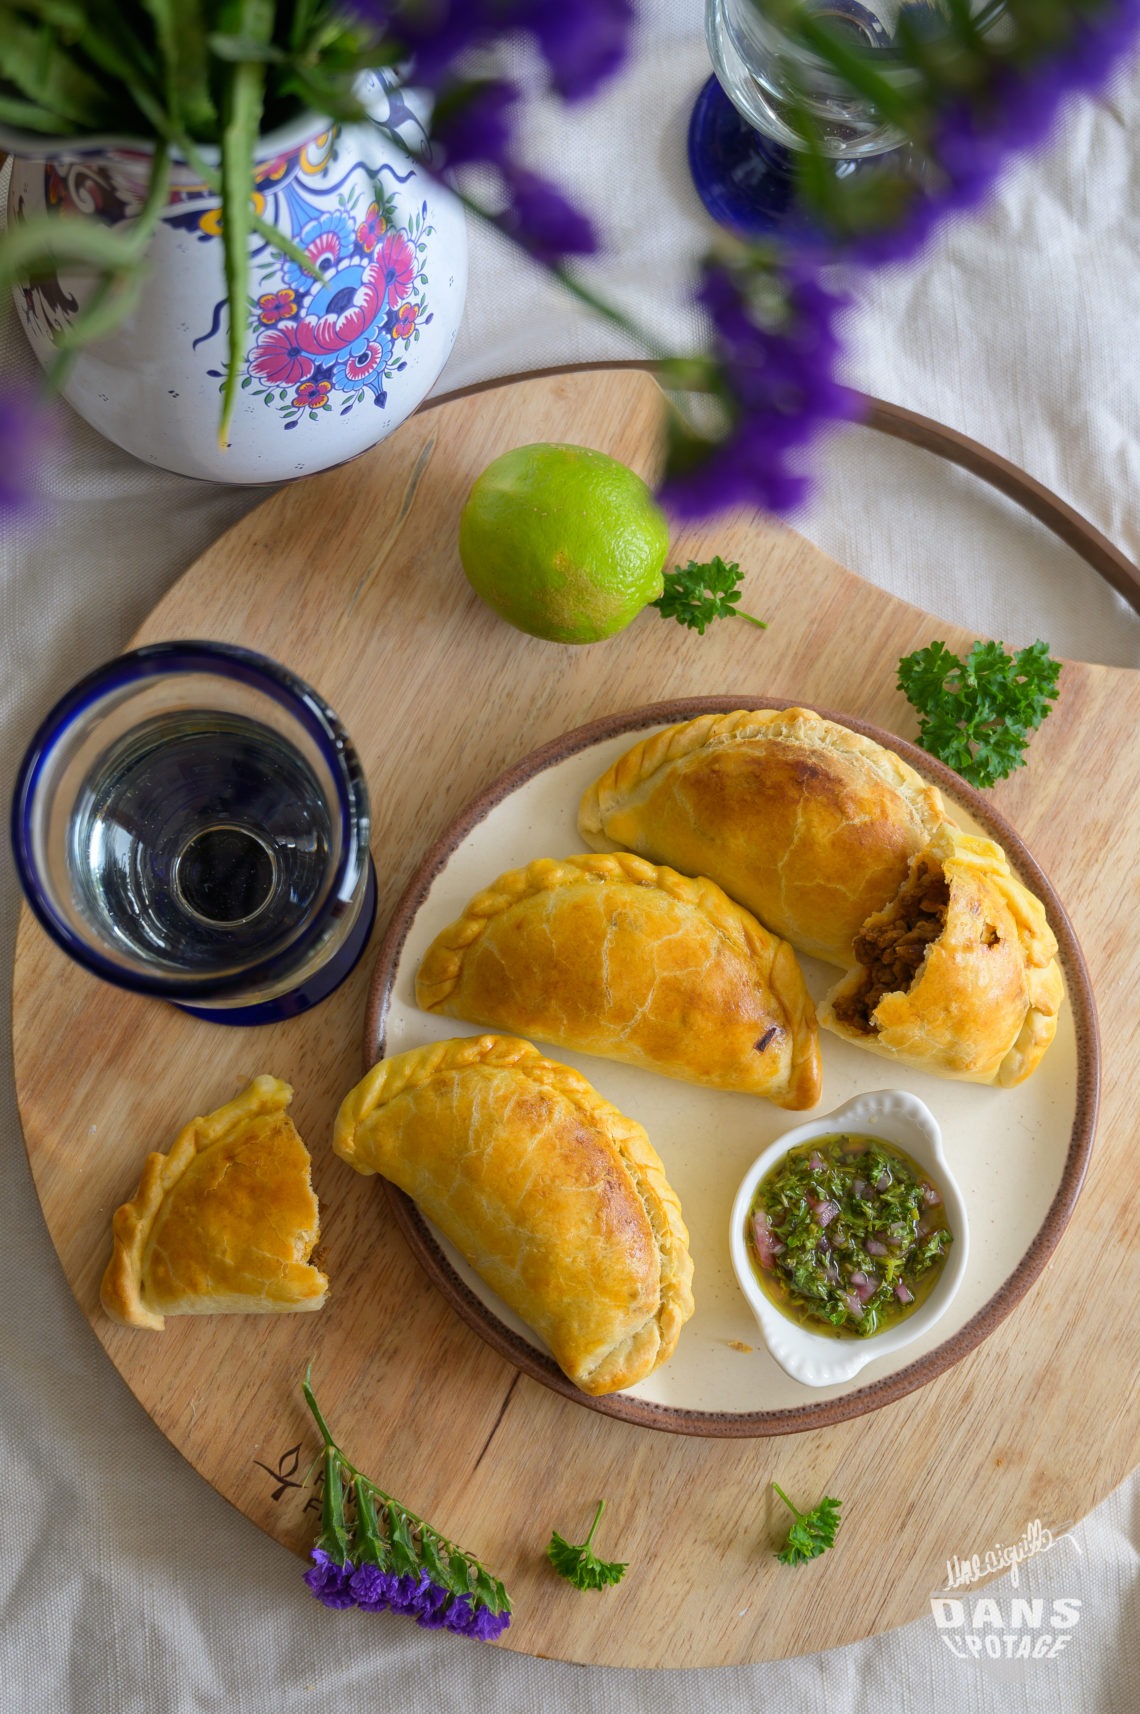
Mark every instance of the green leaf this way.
pixel 702 592
pixel 241 108
pixel 978 715
pixel 180 30
pixel 812 1533
pixel 51 75
pixel 579 1564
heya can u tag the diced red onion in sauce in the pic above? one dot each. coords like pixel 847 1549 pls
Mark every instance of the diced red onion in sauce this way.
pixel 861 1188
pixel 824 1212
pixel 884 1180
pixel 929 1195
pixel 903 1293
pixel 875 1247
pixel 816 1162
pixel 852 1305
pixel 768 1246
pixel 865 1285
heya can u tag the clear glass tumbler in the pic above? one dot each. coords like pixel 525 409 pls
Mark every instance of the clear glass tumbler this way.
pixel 759 64
pixel 191 821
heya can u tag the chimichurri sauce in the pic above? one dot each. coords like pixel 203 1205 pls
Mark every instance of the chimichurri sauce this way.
pixel 847 1235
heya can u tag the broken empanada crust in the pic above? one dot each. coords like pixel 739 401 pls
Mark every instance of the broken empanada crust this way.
pixel 183 1245
pixel 984 1002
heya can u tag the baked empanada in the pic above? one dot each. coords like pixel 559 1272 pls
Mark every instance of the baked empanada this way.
pixel 615 956
pixel 806 824
pixel 553 1196
pixel 958 975
pixel 223 1224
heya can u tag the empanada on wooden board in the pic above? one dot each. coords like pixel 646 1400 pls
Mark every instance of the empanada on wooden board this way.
pixel 223 1224
pixel 615 956
pixel 959 975
pixel 558 1201
pixel 808 825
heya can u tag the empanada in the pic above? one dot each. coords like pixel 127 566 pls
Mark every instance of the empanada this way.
pixel 958 975
pixel 615 956
pixel 225 1223
pixel 807 825
pixel 553 1196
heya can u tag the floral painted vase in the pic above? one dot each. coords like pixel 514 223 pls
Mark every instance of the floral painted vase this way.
pixel 330 364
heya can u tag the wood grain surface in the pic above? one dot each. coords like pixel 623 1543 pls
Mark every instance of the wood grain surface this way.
pixel 352 579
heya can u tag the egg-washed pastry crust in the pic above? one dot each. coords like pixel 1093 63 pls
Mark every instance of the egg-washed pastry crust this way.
pixel 808 825
pixel 557 1200
pixel 224 1223
pixel 958 975
pixel 612 955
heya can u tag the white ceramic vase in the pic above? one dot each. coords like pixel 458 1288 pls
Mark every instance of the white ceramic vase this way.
pixel 330 365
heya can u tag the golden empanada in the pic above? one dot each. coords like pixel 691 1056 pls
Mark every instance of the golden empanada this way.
pixel 225 1223
pixel 806 824
pixel 615 956
pixel 958 975
pixel 553 1196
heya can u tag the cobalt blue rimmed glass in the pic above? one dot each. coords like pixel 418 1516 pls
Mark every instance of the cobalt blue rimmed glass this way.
pixel 191 821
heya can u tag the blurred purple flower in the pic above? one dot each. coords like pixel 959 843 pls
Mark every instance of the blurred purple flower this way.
pixel 777 384
pixel 372 1588
pixel 26 432
pixel 583 41
pixel 472 122
pixel 329 1581
pixel 539 218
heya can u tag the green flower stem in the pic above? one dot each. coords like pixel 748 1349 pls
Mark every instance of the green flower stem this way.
pixel 786 1500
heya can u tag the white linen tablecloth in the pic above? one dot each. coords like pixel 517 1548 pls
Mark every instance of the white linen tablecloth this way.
pixel 129 1586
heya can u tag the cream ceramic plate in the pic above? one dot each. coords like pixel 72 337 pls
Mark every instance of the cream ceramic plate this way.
pixel 1019 1154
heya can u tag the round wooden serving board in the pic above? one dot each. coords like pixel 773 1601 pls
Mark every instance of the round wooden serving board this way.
pixel 352 579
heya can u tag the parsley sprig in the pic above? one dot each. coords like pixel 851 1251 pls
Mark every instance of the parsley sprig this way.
pixel 812 1533
pixel 580 1565
pixel 701 592
pixel 977 715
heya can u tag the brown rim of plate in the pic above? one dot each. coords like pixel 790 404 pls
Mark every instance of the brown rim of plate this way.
pixel 753 1424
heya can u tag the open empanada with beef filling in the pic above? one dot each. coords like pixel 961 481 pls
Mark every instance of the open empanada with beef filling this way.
pixel 958 975
pixel 808 825
pixel 556 1199
pixel 615 956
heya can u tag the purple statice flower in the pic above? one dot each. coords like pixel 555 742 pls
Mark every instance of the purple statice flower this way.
pixel 583 41
pixel 329 1581
pixel 539 218
pixel 1013 110
pixel 26 432
pixel 472 122
pixel 776 377
pixel 372 1589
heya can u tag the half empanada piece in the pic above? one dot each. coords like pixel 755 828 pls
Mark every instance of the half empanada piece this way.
pixel 806 824
pixel 223 1224
pixel 959 974
pixel 616 956
pixel 556 1199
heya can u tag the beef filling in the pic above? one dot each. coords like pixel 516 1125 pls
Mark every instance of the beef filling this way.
pixel 893 950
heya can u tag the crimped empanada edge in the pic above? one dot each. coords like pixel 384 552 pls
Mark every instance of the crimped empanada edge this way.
pixel 637 767
pixel 389 1079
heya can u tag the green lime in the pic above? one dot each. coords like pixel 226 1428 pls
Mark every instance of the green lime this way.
pixel 563 542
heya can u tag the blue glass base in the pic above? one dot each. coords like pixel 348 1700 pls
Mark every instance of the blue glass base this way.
pixel 316 988
pixel 745 180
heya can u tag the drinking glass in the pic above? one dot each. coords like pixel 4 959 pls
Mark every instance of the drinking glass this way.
pixel 743 133
pixel 191 821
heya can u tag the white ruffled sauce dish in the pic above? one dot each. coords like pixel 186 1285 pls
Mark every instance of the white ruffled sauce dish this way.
pixel 820 1359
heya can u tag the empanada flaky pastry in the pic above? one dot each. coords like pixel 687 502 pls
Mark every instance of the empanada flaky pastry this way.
pixel 958 975
pixel 553 1196
pixel 806 824
pixel 225 1223
pixel 615 956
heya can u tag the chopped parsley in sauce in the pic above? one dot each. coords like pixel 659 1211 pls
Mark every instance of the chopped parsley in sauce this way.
pixel 847 1235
